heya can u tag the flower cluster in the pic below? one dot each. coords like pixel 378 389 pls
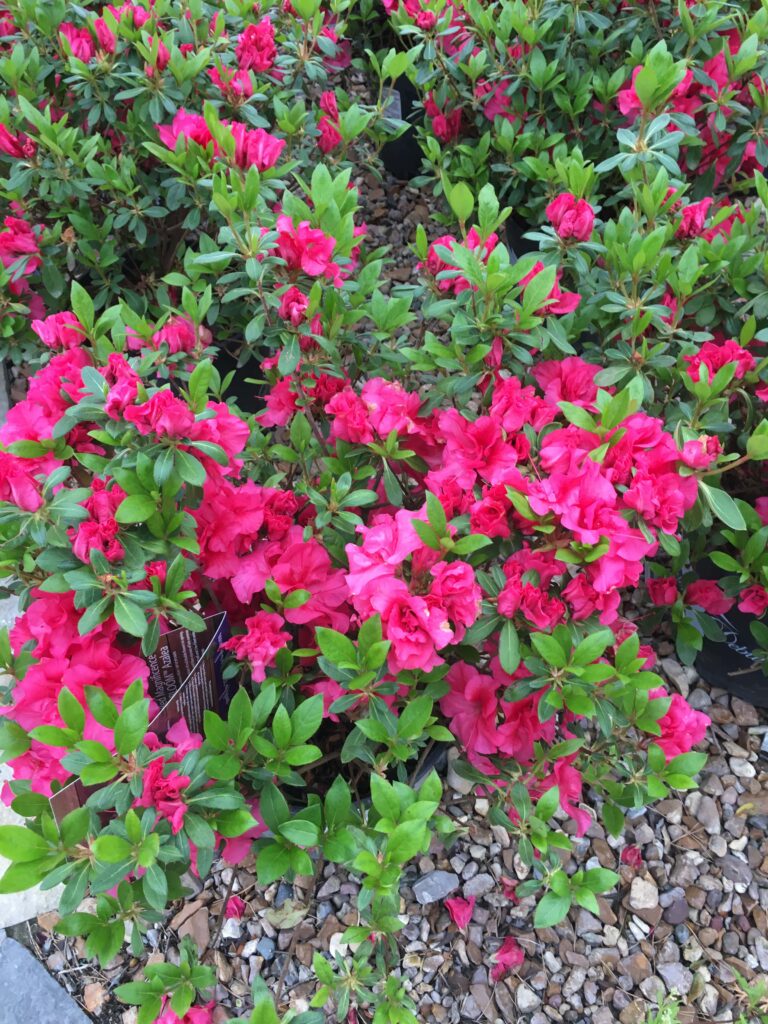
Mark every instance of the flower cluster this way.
pixel 459 509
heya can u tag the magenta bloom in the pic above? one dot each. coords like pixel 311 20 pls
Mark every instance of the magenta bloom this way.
pixel 190 127
pixel 506 958
pixel 163 414
pixel 80 42
pixel 693 219
pixel 472 708
pixel 632 856
pixel 260 643
pixel 682 727
pixel 165 793
pixel 707 594
pixel 330 136
pixel 571 217
pixel 663 591
pixel 754 600
pixel 461 911
pixel 304 247
pixel 60 331
pixel 715 356
pixel 255 148
pixel 235 907
pixel 256 50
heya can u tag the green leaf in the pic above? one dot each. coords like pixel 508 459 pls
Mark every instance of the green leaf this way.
pixel 235 822
pixel 551 910
pixel 548 804
pixel 273 862
pixel 414 717
pixel 281 728
pixel 136 993
pixel 164 464
pixel 71 711
pixel 549 649
pixel 592 647
pixel 462 201
pixel 509 647
pixel 190 469
pixel 20 844
pixel 336 647
pixel 24 875
pixel 306 719
pixel 436 514
pixel 384 798
pixel 82 306
pixel 263 1007
pixel 136 508
pixel 579 416
pixel 338 803
pixel 101 706
pixel 466 545
pixel 155 886
pixel 613 817
pixel 600 879
pixel 111 849
pixel 273 807
pixel 131 727
pixel 130 617
pixel 723 506
pixel 303 833
pixel 426 534
pixel 405 842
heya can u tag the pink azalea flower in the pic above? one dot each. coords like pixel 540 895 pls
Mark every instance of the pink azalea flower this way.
pixel 693 219
pixel 235 907
pixel 164 792
pixel 506 958
pixel 571 217
pixel 472 707
pixel 707 594
pixel 461 911
pixel 195 1015
pixel 568 780
pixel 632 856
pixel 682 727
pixel 256 50
pixel 60 331
pixel 260 643
pixel 304 247
pixel 715 356
pixel 255 148
pixel 416 630
pixel 663 591
pixel 754 600
pixel 79 40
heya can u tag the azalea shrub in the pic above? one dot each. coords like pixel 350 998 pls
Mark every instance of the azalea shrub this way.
pixel 457 512
pixel 397 572
pixel 117 125
pixel 508 88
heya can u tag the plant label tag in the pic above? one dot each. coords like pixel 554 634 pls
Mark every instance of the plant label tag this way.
pixel 393 105
pixel 185 681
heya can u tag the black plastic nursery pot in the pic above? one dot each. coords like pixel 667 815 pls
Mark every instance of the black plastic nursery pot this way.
pixel 732 664
pixel 402 157
pixel 516 228
pixel 249 397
